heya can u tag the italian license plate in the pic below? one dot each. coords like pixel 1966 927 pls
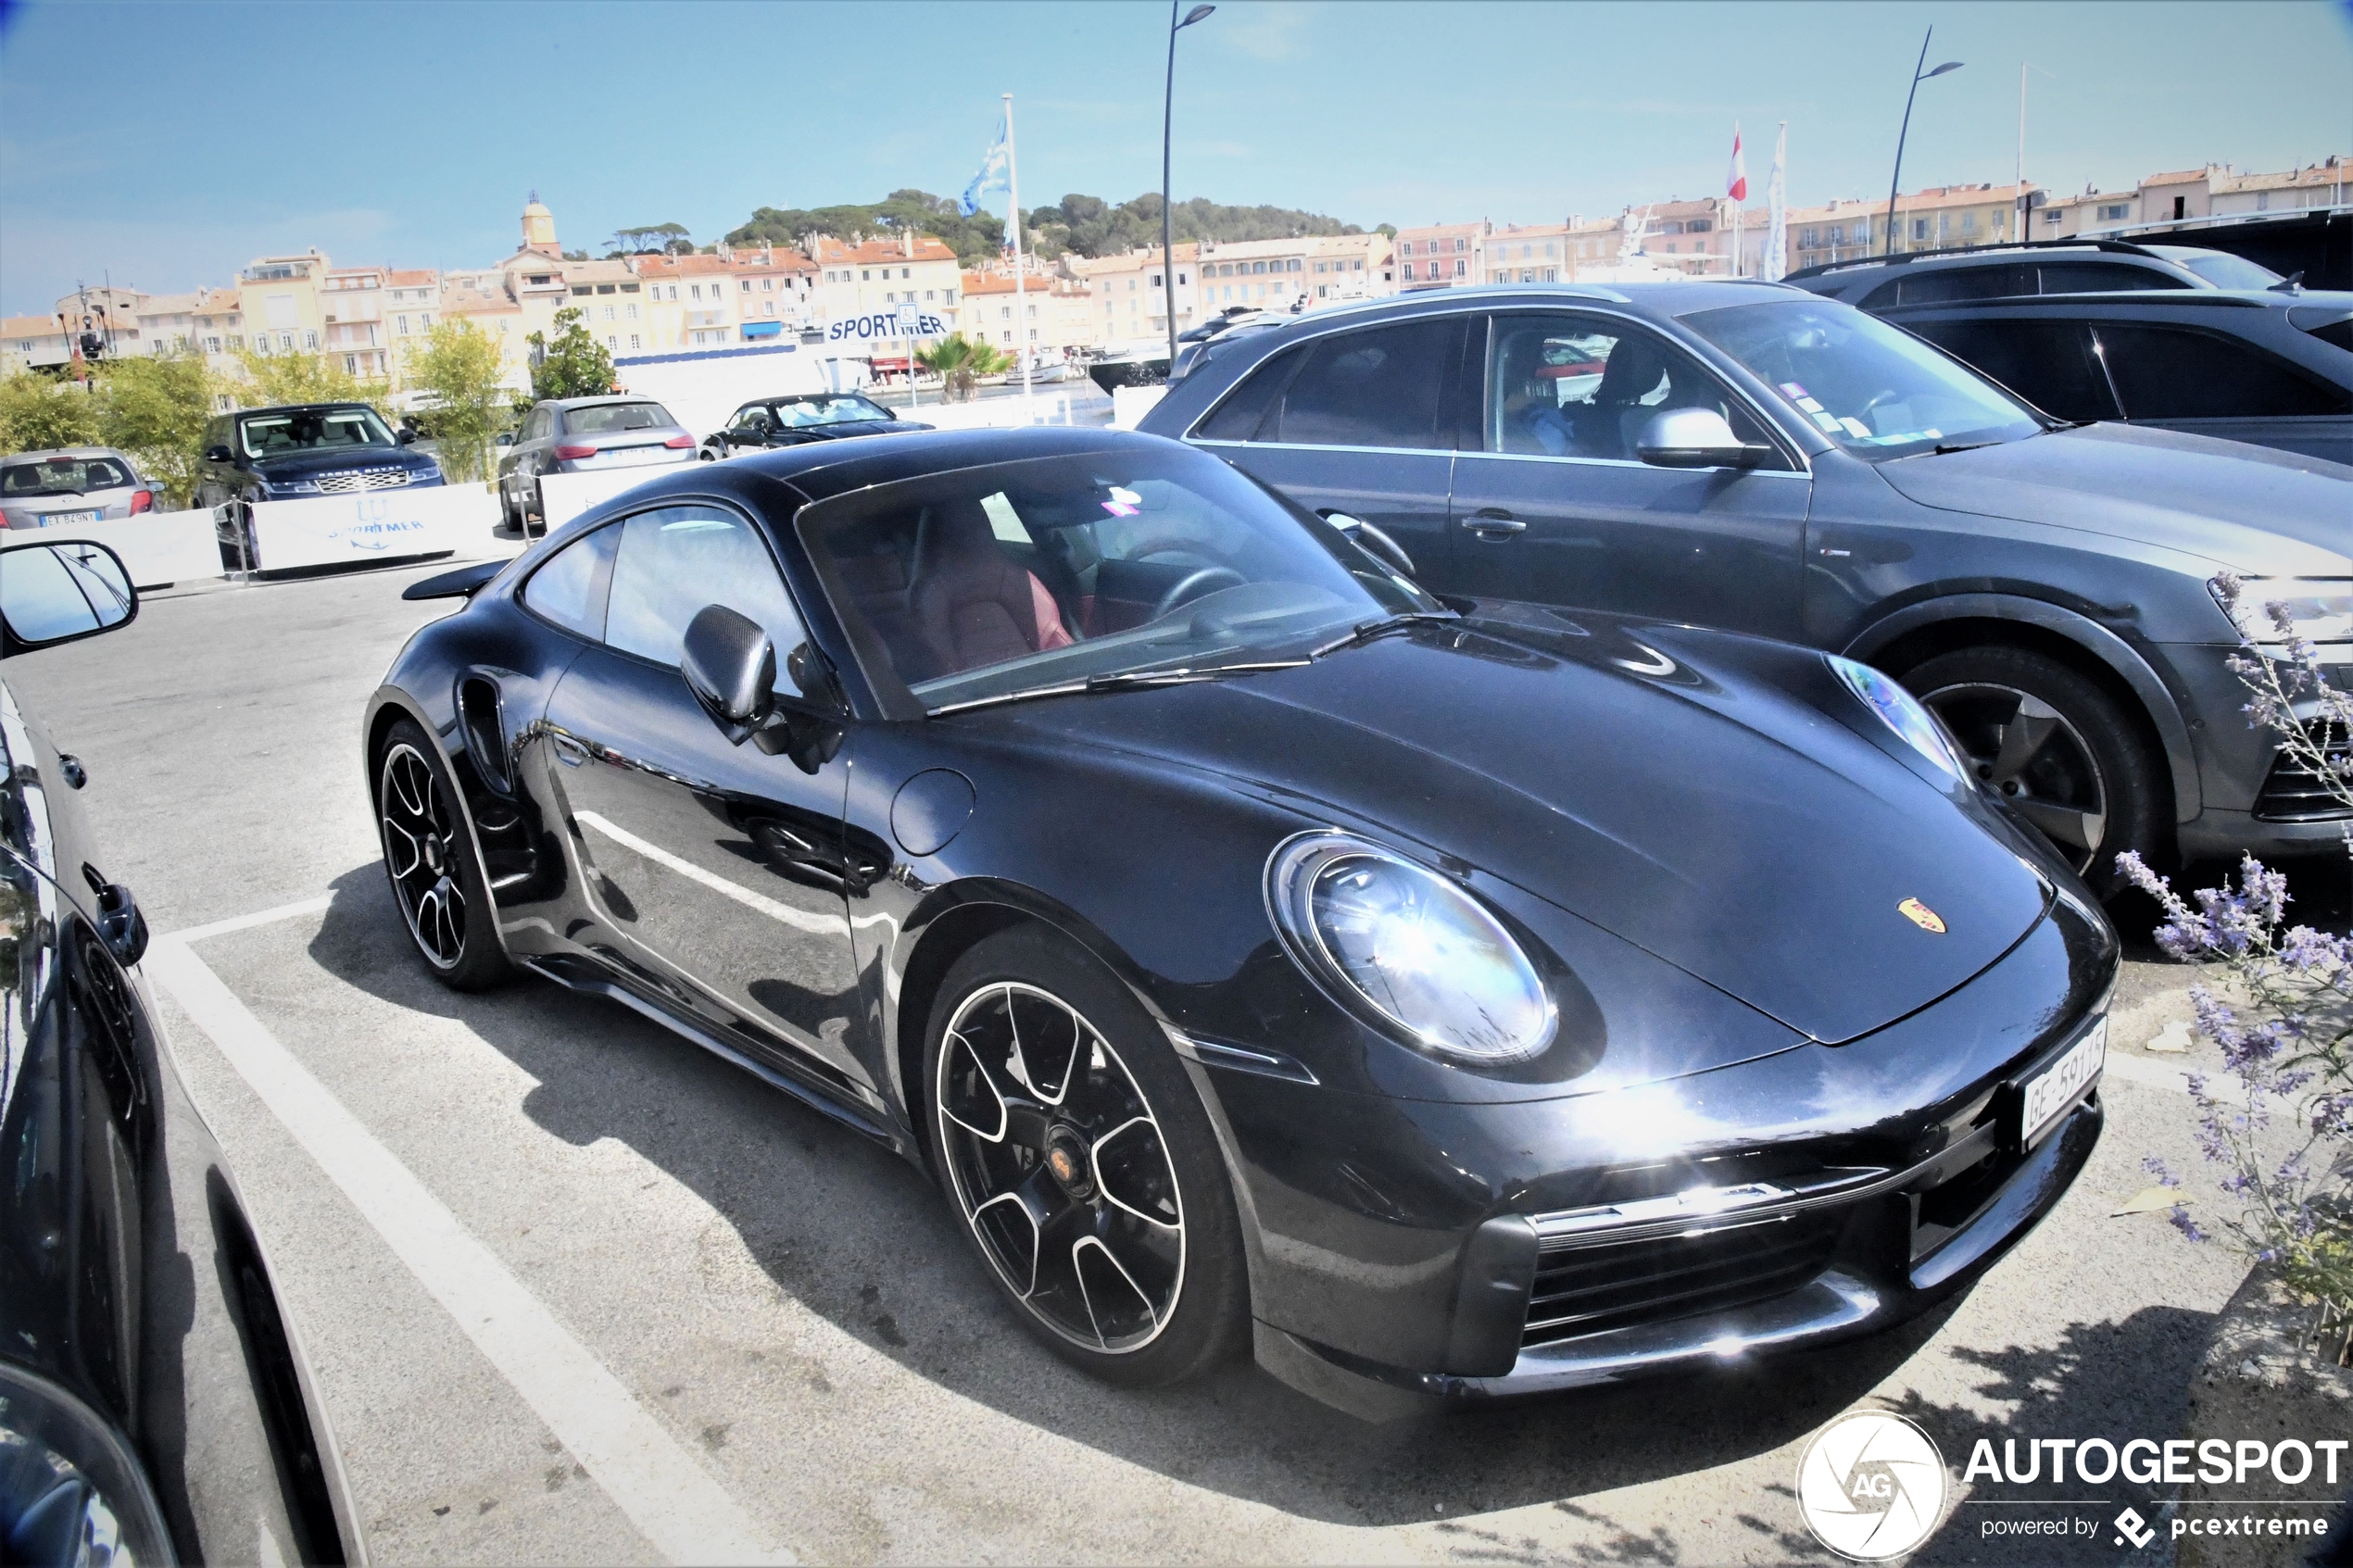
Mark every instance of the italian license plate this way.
pixel 68 519
pixel 2054 1089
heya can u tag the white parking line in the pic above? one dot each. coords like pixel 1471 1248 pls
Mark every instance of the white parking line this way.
pixel 245 923
pixel 677 1505
pixel 2159 1075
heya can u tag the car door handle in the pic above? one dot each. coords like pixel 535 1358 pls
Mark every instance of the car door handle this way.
pixel 569 752
pixel 1491 522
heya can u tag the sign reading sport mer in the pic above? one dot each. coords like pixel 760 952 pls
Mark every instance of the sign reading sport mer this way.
pixel 906 321
pixel 339 530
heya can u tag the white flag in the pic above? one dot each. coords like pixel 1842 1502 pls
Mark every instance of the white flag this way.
pixel 994 175
pixel 1776 256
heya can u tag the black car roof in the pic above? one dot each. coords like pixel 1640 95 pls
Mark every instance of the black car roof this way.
pixel 823 469
pixel 2195 299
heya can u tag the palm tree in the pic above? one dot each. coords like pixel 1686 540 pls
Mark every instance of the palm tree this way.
pixel 959 361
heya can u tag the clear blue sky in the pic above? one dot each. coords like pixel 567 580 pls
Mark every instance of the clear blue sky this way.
pixel 173 143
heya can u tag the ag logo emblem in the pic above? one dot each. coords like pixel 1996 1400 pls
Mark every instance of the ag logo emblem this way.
pixel 1871 1486
pixel 1920 914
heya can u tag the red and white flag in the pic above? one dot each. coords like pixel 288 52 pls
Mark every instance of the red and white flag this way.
pixel 1736 183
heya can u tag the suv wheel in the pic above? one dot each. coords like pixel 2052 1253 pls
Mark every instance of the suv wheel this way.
pixel 2054 747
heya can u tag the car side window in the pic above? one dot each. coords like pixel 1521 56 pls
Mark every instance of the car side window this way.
pixel 1379 388
pixel 676 561
pixel 1244 408
pixel 1584 386
pixel 2165 373
pixel 2051 364
pixel 569 586
pixel 2102 277
pixel 1946 285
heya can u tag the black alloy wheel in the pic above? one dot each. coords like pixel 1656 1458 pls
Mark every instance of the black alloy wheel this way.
pixel 2053 746
pixel 429 859
pixel 1081 1163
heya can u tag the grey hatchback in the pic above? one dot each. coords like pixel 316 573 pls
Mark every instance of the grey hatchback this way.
pixel 578 435
pixel 1752 457
pixel 72 485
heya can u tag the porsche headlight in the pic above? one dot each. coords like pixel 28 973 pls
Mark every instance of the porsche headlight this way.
pixel 2318 608
pixel 1902 713
pixel 1404 947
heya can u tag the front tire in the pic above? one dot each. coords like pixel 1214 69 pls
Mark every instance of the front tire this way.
pixel 429 860
pixel 2055 747
pixel 1079 1157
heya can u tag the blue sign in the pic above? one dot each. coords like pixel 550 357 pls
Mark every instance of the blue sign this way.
pixel 905 321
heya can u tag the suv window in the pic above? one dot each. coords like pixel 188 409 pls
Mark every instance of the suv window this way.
pixel 2103 277
pixel 1244 409
pixel 1945 285
pixel 2186 373
pixel 2050 364
pixel 1584 386
pixel 1375 388
pixel 675 561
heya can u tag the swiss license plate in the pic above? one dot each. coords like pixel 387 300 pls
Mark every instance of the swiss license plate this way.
pixel 68 519
pixel 2056 1086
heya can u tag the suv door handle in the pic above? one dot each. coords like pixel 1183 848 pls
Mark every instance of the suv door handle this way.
pixel 569 752
pixel 1491 522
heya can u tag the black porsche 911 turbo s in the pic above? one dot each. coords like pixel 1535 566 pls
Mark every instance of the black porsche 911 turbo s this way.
pixel 1453 1001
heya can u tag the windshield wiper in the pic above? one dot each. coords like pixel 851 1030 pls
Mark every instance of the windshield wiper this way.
pixel 1122 680
pixel 1371 629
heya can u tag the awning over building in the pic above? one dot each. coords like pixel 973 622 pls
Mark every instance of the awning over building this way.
pixel 762 329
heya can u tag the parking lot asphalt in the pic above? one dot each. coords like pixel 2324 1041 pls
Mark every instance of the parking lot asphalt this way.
pixel 792 1311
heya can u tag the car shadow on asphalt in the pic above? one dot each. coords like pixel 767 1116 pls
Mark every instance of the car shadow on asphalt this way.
pixel 848 1230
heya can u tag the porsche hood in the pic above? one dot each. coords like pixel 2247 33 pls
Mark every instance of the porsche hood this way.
pixel 1751 837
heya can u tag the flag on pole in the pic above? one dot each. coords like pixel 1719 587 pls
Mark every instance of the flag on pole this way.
pixel 995 174
pixel 1776 256
pixel 1736 183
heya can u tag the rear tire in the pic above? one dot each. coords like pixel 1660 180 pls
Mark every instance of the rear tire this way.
pixel 1104 1215
pixel 2058 749
pixel 429 859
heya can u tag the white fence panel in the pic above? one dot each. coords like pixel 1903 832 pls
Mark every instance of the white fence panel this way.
pixel 566 496
pixel 994 413
pixel 155 547
pixel 1130 404
pixel 377 525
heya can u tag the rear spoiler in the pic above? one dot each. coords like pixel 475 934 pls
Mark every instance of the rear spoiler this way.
pixel 462 584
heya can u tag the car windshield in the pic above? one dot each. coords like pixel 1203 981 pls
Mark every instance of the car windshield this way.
pixel 1044 573
pixel 2222 269
pixel 1874 389
pixel 801 413
pixel 62 476
pixel 612 419
pixel 312 430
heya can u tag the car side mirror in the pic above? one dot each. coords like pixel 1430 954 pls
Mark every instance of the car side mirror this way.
pixel 1695 438
pixel 52 594
pixel 218 454
pixel 730 666
pixel 506 438
pixel 1372 541
pixel 405 436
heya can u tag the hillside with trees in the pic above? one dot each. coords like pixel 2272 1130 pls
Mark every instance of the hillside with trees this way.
pixel 1081 225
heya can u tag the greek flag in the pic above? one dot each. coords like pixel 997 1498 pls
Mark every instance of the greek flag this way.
pixel 994 175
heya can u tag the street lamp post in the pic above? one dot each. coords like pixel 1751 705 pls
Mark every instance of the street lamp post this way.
pixel 1918 76
pixel 1167 226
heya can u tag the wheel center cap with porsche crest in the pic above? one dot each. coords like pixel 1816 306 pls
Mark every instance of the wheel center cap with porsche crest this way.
pixel 1920 914
pixel 1066 1158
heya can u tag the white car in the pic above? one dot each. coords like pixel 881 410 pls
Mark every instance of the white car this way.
pixel 72 485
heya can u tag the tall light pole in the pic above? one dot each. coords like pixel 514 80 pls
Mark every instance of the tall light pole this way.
pixel 1918 76
pixel 1167 119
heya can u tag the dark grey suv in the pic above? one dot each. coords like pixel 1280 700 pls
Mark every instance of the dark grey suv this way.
pixel 1940 277
pixel 2245 365
pixel 1753 456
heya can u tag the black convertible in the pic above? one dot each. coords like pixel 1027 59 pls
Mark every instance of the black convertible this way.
pixel 1458 999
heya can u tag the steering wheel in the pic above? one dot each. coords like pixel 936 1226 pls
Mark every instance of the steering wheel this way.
pixel 1879 397
pixel 1194 584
